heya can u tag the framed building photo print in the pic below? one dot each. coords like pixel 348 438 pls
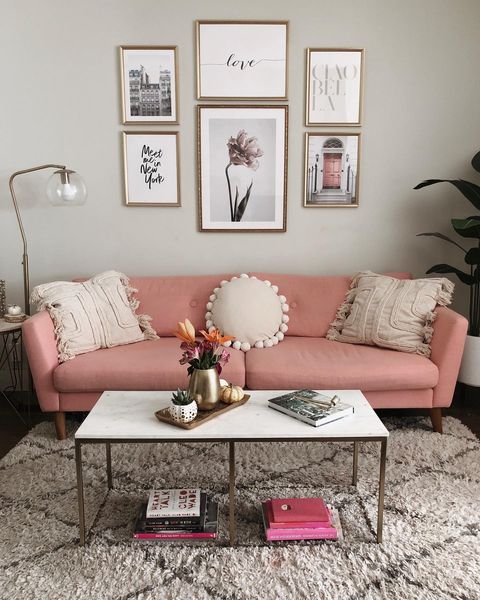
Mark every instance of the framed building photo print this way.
pixel 334 86
pixel 151 168
pixel 242 162
pixel 332 162
pixel 242 60
pixel 149 84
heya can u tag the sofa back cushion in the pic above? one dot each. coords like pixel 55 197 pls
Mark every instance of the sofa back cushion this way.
pixel 169 299
pixel 313 299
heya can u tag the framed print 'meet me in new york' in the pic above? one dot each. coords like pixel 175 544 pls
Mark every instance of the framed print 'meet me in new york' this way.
pixel 242 60
pixel 334 86
pixel 151 168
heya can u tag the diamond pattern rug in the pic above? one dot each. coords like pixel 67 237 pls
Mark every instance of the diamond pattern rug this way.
pixel 431 543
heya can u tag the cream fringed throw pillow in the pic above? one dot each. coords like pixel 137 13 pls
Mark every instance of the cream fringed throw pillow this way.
pixel 392 313
pixel 98 313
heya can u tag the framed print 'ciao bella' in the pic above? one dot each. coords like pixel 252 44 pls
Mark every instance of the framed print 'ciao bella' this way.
pixel 242 60
pixel 151 168
pixel 242 161
pixel 334 86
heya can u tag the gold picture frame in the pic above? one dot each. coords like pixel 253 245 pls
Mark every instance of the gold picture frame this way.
pixel 244 62
pixel 336 85
pixel 339 188
pixel 126 97
pixel 131 182
pixel 279 171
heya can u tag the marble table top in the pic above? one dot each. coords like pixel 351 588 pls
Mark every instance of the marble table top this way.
pixel 7 327
pixel 130 416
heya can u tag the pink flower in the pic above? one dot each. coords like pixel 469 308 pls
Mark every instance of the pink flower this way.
pixel 244 150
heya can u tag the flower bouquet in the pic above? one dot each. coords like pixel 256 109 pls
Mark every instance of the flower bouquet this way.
pixel 206 358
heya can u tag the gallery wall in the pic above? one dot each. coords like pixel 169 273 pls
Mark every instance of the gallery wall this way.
pixel 61 103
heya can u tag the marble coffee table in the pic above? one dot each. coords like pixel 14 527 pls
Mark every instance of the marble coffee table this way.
pixel 128 417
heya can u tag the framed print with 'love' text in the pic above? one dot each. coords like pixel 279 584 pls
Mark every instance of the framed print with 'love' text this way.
pixel 242 60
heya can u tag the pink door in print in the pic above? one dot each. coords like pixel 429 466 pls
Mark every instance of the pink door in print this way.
pixel 332 170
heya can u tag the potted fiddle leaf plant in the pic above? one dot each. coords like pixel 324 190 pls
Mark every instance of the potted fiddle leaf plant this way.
pixel 468 228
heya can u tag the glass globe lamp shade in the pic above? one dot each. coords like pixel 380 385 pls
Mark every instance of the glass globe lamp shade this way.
pixel 66 188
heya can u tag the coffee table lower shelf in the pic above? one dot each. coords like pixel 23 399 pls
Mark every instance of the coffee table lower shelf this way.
pixel 231 455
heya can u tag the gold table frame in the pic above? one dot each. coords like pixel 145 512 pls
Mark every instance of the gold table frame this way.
pixel 231 460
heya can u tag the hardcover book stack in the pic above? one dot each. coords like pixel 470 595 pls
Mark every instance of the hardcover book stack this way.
pixel 300 519
pixel 180 514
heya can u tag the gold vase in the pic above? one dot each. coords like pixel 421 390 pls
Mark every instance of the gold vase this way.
pixel 204 388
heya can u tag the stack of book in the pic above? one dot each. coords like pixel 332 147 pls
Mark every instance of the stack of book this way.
pixel 180 514
pixel 300 519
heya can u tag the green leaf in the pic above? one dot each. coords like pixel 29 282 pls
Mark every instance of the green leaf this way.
pixel 243 204
pixel 476 162
pixel 471 191
pixel 442 237
pixel 443 268
pixel 467 228
pixel 473 256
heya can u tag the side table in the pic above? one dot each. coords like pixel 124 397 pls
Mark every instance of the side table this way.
pixel 11 357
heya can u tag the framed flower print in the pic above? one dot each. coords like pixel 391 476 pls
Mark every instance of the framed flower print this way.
pixel 242 164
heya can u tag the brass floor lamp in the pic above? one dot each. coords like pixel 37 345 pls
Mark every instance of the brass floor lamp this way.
pixel 64 188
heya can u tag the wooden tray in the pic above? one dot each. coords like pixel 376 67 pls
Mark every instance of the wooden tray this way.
pixel 202 416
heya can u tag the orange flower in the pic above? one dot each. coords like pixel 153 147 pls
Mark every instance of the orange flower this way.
pixel 186 332
pixel 216 337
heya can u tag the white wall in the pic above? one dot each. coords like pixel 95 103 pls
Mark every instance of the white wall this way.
pixel 60 102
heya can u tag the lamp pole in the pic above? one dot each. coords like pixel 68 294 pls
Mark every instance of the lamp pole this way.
pixel 65 188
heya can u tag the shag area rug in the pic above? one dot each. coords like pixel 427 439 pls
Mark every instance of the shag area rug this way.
pixel 431 546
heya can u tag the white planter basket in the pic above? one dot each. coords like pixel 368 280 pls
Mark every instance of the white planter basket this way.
pixel 470 368
pixel 183 413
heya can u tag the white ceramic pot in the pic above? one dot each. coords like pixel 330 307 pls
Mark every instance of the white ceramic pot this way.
pixel 183 413
pixel 470 368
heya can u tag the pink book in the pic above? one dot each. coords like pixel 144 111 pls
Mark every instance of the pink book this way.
pixel 298 512
pixel 330 532
pixel 293 524
pixel 172 535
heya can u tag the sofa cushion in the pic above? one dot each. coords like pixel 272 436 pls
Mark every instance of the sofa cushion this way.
pixel 313 300
pixel 390 312
pixel 317 363
pixel 97 313
pixel 250 310
pixel 151 365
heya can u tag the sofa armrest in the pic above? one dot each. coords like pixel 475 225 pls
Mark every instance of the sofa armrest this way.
pixel 449 334
pixel 39 339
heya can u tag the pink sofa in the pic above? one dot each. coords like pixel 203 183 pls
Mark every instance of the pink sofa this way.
pixel 305 358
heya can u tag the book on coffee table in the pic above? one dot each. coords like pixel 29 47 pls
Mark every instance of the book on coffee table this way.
pixel 311 407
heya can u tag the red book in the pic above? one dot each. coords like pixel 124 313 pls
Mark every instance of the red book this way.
pixel 302 524
pixel 299 512
pixel 332 532
pixel 173 535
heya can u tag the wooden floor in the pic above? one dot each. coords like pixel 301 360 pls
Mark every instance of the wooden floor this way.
pixel 465 406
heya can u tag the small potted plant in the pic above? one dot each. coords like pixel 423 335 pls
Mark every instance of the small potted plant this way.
pixel 183 408
pixel 469 229
pixel 205 358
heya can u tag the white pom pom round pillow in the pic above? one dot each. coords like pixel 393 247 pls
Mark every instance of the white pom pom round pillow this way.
pixel 249 309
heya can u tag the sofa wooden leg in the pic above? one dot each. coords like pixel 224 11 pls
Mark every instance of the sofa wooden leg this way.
pixel 436 416
pixel 60 425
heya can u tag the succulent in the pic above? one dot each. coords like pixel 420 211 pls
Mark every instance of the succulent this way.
pixel 181 397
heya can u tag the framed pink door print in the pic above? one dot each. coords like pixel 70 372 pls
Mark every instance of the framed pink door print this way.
pixel 332 164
